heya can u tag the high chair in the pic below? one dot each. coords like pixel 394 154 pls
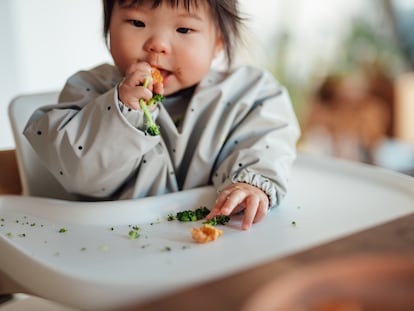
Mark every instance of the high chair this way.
pixel 36 180
pixel 80 254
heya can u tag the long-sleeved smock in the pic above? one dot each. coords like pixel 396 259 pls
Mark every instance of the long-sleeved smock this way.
pixel 237 126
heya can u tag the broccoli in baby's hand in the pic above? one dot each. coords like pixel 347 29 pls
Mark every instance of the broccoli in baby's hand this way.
pixel 152 128
pixel 157 98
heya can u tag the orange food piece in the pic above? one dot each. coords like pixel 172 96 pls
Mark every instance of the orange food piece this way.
pixel 156 75
pixel 205 233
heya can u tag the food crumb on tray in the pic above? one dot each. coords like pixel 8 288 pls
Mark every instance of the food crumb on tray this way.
pixel 206 233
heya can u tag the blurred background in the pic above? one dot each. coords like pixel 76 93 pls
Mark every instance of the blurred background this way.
pixel 348 65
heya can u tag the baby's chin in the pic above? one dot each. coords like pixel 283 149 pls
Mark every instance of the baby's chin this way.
pixel 171 86
pixel 171 91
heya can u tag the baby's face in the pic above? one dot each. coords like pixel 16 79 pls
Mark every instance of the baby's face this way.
pixel 180 43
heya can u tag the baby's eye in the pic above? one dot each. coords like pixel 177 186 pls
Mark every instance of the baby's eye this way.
pixel 136 23
pixel 184 30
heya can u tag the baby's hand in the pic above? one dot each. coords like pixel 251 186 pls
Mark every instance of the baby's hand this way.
pixel 131 88
pixel 241 196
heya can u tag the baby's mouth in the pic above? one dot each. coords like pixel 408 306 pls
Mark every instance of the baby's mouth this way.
pixel 164 73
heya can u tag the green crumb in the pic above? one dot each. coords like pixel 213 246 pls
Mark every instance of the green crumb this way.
pixel 32 225
pixel 293 223
pixel 111 229
pixel 9 235
pixel 166 249
pixel 2 219
pixel 133 235
pixel 63 230
pixel 134 227
pixel 22 235
pixel 170 217
pixel 104 248
pixel 83 249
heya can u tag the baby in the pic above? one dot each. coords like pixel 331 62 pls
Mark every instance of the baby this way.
pixel 234 128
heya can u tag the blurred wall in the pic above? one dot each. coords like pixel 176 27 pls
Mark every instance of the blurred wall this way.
pixel 42 43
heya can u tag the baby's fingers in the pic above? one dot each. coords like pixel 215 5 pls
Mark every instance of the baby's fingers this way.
pixel 255 211
pixel 228 202
pixel 130 96
pixel 142 68
pixel 216 210
pixel 250 212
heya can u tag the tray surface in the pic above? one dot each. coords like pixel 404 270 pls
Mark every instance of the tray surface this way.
pixel 80 253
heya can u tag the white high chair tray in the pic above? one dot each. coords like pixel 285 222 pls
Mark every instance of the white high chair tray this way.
pixel 94 264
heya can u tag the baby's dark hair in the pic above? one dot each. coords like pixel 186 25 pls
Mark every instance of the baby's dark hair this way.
pixel 225 14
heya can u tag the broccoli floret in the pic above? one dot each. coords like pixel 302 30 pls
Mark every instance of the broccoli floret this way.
pixel 198 214
pixel 202 212
pixel 218 220
pixel 152 128
pixel 186 216
pixel 157 98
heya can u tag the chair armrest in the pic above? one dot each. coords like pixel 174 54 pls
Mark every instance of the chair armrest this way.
pixel 9 173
